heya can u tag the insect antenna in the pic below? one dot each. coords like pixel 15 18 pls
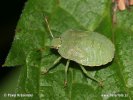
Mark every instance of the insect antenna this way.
pixel 49 27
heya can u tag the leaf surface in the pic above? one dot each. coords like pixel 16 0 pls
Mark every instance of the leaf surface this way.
pixel 30 50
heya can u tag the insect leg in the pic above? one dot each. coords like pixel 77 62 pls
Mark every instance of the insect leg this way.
pixel 53 65
pixel 85 72
pixel 66 69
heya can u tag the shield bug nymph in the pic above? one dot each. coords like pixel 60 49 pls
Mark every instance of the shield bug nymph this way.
pixel 83 47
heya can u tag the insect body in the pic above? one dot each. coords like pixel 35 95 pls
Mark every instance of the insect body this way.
pixel 85 48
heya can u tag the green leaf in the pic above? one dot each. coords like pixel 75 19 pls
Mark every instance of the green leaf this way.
pixel 30 50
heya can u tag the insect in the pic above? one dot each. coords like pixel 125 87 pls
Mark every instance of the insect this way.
pixel 120 5
pixel 83 47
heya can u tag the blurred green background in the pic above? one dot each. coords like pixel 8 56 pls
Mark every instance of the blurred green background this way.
pixel 10 11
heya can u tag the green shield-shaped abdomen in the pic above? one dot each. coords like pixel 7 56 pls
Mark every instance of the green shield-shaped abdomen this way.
pixel 86 48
